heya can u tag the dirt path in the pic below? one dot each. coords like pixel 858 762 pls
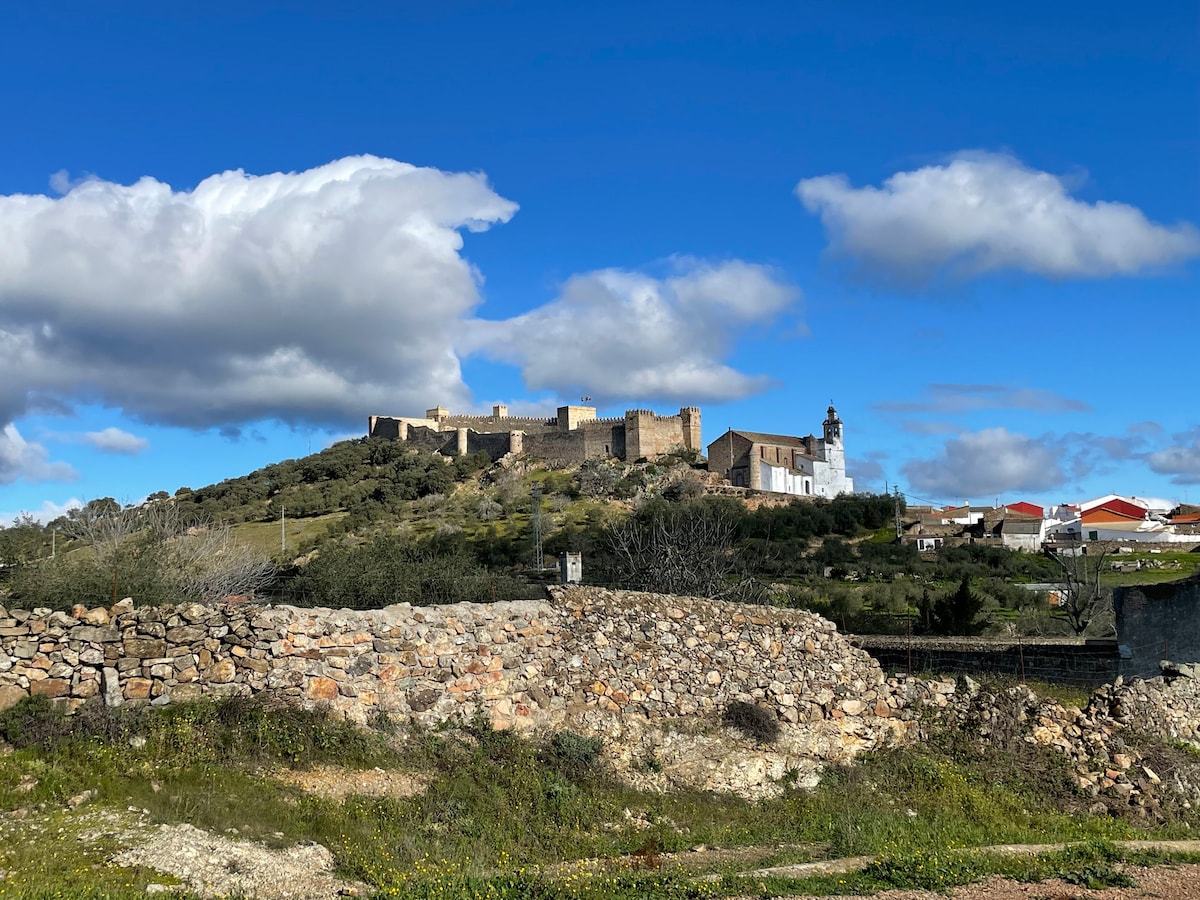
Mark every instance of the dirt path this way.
pixel 1169 882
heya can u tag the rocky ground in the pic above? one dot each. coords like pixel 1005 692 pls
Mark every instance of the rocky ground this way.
pixel 215 865
pixel 1166 882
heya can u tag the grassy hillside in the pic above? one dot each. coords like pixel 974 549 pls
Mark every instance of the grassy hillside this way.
pixel 362 513
pixel 75 791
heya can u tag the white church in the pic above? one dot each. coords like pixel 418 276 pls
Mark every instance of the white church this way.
pixel 806 466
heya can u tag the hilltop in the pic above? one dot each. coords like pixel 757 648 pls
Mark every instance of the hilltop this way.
pixel 372 521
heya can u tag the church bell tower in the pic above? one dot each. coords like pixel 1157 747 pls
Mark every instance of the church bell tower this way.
pixel 834 450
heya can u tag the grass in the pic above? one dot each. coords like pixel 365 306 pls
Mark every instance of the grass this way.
pixel 507 816
pixel 1176 566
pixel 264 536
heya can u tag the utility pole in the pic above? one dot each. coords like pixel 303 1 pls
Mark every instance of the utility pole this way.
pixel 899 527
pixel 282 533
pixel 535 522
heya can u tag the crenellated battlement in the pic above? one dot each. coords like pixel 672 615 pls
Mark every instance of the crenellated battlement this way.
pixel 515 421
pixel 574 434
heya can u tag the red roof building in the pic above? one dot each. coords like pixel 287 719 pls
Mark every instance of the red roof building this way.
pixel 1026 508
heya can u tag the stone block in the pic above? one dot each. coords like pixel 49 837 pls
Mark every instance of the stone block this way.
pixel 145 648
pixel 222 672
pixel 322 689
pixel 187 634
pixel 10 695
pixel 137 688
pixel 183 693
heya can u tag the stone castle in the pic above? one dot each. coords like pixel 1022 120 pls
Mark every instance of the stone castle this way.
pixel 574 435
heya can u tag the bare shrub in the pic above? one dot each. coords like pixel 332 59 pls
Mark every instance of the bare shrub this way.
pixel 488 509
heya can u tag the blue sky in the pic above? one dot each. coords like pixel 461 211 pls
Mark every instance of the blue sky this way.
pixel 228 236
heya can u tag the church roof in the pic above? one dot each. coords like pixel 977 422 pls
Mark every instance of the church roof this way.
pixel 777 440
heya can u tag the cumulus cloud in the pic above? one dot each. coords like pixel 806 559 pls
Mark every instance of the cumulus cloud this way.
pixel 619 333
pixel 47 512
pixel 22 460
pixel 982 212
pixel 305 297
pixel 115 440
pixel 1181 460
pixel 315 297
pixel 867 471
pixel 953 399
pixel 989 462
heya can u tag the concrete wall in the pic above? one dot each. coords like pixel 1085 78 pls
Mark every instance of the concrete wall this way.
pixel 1157 622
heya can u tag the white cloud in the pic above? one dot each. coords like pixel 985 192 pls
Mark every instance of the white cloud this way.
pixel 982 212
pixel 619 333
pixel 320 296
pixel 1181 460
pixel 953 399
pixel 47 512
pixel 115 440
pixel 21 460
pixel 307 297
pixel 987 463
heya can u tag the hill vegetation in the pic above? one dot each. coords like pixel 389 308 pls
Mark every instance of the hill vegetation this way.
pixel 370 522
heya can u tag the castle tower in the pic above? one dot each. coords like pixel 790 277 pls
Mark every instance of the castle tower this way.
pixel 835 454
pixel 690 416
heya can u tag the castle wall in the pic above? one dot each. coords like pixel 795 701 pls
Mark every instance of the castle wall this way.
pixel 648 434
pixel 591 440
pixel 383 427
pixel 500 424
pixel 421 437
pixel 495 444
pixel 574 435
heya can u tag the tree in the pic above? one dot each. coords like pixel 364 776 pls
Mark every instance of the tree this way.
pixel 678 548
pixel 154 553
pixel 952 613
pixel 1085 604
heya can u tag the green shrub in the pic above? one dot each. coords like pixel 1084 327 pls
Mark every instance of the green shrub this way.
pixel 35 722
pixel 574 752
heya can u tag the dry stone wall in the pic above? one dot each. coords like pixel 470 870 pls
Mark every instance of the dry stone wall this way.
pixel 650 673
pixel 657 656
pixel 630 666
